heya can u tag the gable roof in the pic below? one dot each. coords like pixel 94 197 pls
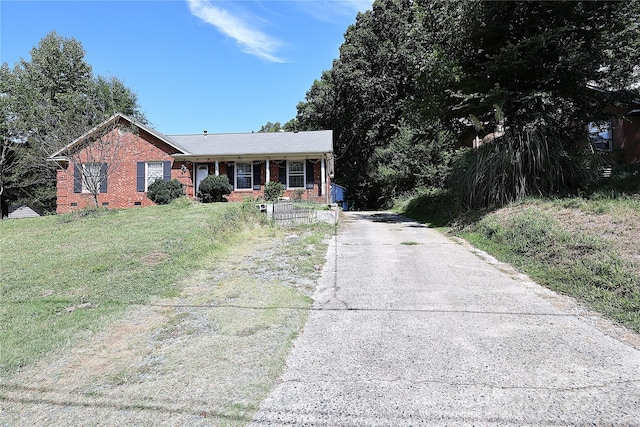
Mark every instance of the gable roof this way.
pixel 202 146
pixel 259 144
pixel 59 155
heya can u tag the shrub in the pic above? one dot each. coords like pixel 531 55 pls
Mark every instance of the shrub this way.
pixel 213 187
pixel 164 192
pixel 273 190
pixel 516 165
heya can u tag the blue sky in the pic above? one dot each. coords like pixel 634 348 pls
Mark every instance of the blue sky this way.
pixel 223 66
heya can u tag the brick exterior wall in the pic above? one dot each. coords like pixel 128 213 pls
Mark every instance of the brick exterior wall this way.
pixel 304 194
pixel 144 147
pixel 121 181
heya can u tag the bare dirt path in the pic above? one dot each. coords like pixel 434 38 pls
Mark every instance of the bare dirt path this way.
pixel 411 328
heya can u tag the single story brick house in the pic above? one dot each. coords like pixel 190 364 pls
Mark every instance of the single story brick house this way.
pixel 302 161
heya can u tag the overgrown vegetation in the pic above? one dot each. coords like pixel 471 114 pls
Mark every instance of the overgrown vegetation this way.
pixel 273 190
pixel 163 192
pixel 520 164
pixel 583 246
pixel 415 80
pixel 85 277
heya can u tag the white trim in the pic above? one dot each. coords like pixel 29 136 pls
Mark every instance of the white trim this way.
pixel 304 174
pixel 146 173
pixel 235 171
pixel 267 176
pixel 323 178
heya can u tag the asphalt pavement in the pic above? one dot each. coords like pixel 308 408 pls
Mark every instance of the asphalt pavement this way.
pixel 411 328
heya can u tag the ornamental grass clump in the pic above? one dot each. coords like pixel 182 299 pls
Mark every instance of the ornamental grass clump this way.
pixel 519 164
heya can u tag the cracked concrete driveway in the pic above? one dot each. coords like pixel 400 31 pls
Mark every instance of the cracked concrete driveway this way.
pixel 411 328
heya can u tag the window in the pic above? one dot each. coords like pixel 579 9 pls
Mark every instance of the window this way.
pixel 149 172
pixel 153 173
pixel 91 177
pixel 244 175
pixel 295 172
pixel 600 135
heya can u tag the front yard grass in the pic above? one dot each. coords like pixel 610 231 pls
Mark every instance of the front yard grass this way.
pixel 68 281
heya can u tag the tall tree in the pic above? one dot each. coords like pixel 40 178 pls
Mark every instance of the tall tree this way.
pixel 375 87
pixel 541 71
pixel 539 62
pixel 48 102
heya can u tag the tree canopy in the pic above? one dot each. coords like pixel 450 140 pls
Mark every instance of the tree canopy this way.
pixel 413 76
pixel 45 104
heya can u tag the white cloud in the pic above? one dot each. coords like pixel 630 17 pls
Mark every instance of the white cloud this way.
pixel 330 10
pixel 250 39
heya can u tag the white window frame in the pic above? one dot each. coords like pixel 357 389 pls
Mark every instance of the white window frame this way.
pixel 91 171
pixel 295 174
pixel 244 175
pixel 148 177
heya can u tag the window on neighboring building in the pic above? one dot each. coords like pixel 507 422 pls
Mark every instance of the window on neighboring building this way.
pixel 600 135
pixel 91 177
pixel 244 175
pixel 295 174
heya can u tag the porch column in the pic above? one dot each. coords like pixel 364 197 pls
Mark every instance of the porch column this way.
pixel 323 178
pixel 267 177
pixel 217 170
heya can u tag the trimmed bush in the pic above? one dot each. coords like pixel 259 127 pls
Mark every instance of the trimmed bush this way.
pixel 213 187
pixel 273 190
pixel 164 192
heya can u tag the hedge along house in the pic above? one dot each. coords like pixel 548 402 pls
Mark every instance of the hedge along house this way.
pixel 139 155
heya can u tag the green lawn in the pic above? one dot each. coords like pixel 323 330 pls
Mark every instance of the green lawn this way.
pixel 67 276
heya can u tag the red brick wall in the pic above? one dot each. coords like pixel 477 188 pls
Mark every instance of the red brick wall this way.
pixel 121 181
pixel 626 137
pixel 313 195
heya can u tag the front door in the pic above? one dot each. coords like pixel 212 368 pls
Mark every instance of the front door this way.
pixel 202 171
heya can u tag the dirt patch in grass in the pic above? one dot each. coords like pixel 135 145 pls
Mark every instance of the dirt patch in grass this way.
pixel 155 258
pixel 208 356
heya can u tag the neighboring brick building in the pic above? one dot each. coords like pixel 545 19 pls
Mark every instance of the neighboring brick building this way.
pixel 302 161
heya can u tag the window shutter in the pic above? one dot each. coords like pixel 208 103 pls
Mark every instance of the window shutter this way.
pixel 103 177
pixel 77 179
pixel 230 174
pixel 140 176
pixel 166 170
pixel 309 172
pixel 282 173
pixel 257 174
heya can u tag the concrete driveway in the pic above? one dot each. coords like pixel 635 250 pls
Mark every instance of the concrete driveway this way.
pixel 411 328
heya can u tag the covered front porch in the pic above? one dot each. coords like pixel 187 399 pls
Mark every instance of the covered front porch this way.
pixel 303 178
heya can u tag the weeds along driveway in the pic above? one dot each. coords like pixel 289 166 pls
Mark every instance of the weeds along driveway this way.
pixel 206 357
pixel 412 328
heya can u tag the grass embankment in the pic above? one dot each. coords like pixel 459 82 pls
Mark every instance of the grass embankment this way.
pixel 585 247
pixel 67 279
